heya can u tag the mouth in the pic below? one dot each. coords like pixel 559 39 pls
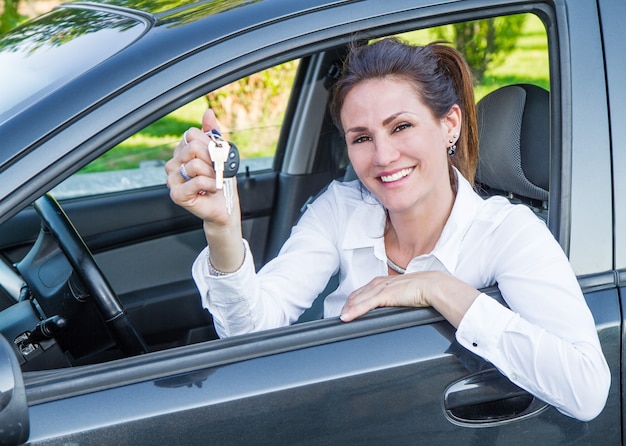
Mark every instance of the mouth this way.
pixel 396 176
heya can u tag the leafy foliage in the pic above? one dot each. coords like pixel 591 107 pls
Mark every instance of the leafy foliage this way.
pixel 484 43
pixel 260 98
pixel 10 16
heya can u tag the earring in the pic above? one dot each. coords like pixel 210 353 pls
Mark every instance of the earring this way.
pixel 452 150
pixel 452 147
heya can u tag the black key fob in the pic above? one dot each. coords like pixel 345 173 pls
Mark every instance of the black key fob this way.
pixel 231 165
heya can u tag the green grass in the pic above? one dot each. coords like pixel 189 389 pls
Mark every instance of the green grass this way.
pixel 528 63
pixel 155 142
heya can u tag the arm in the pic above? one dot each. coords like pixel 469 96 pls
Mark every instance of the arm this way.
pixel 547 341
pixel 199 195
pixel 245 301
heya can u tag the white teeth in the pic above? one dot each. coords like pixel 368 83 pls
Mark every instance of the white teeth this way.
pixel 396 176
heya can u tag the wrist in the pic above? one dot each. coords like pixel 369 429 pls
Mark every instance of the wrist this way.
pixel 226 247
pixel 453 298
pixel 219 273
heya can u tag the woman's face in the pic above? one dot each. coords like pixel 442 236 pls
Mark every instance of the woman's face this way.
pixel 397 147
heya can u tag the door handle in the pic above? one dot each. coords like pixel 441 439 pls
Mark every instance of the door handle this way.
pixel 488 397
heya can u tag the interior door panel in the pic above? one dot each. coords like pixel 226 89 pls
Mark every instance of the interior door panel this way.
pixel 145 245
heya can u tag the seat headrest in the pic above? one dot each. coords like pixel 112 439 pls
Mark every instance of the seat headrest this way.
pixel 514 141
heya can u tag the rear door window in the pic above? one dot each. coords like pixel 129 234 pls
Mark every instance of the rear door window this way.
pixel 250 111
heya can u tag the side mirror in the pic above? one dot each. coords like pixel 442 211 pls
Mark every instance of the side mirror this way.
pixel 14 422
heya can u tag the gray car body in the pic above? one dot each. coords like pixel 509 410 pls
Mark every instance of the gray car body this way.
pixel 387 378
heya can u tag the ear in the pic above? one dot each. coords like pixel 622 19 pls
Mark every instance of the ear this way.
pixel 452 122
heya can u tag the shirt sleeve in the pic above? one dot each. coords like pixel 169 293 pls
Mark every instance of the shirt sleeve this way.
pixel 227 297
pixel 546 341
pixel 278 294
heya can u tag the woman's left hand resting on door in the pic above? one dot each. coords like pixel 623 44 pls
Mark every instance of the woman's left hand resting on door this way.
pixel 448 295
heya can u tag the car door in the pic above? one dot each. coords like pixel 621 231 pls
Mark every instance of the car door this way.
pixel 615 64
pixel 395 376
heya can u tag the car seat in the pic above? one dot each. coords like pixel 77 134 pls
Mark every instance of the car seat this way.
pixel 514 145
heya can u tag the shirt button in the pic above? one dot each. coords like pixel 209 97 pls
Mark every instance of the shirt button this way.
pixel 475 344
pixel 513 377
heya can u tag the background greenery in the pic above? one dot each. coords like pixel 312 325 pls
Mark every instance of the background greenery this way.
pixel 500 51
pixel 251 110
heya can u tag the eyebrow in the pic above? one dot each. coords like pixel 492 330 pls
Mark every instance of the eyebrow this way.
pixel 386 121
pixel 394 116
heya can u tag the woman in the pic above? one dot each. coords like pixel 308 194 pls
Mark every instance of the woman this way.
pixel 410 232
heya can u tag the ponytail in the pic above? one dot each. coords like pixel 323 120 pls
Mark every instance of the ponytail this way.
pixel 454 65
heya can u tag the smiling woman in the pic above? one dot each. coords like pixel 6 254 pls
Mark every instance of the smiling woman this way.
pixel 252 109
pixel 408 116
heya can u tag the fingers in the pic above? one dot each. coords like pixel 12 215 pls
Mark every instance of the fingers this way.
pixel 373 295
pixel 209 121
pixel 191 164
pixel 194 142
pixel 195 147
pixel 407 290
pixel 450 296
pixel 191 176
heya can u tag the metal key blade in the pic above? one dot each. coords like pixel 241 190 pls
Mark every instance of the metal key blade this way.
pixel 228 194
pixel 219 177
pixel 218 150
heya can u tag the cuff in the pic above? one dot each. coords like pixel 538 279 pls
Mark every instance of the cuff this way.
pixel 481 329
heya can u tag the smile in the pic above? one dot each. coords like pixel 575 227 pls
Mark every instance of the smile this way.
pixel 396 176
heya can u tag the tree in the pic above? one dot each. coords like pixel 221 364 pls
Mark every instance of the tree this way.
pixel 484 43
pixel 10 16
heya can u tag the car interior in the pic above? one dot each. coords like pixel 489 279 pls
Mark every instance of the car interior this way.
pixel 134 248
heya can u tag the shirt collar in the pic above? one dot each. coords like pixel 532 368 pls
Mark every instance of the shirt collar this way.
pixel 466 206
pixel 366 223
pixel 366 226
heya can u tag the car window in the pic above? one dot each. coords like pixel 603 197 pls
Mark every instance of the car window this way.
pixel 250 111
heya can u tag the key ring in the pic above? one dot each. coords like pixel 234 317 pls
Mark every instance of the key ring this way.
pixel 213 134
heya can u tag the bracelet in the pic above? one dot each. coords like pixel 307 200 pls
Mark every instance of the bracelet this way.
pixel 216 272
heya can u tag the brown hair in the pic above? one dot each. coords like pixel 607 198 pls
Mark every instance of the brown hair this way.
pixel 440 75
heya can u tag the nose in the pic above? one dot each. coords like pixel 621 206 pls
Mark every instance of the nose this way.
pixel 385 152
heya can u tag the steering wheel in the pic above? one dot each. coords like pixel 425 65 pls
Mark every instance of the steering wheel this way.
pixel 83 263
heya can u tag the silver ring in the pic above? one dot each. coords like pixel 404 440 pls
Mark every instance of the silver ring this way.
pixel 185 137
pixel 183 173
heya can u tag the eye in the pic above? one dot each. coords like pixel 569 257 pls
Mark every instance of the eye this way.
pixel 361 139
pixel 403 126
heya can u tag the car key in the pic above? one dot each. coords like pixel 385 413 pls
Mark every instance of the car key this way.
pixel 231 163
pixel 231 166
pixel 225 157
pixel 218 150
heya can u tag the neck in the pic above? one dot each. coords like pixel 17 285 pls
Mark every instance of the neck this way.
pixel 415 232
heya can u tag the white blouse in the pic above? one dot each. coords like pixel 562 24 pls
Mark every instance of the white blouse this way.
pixel 545 341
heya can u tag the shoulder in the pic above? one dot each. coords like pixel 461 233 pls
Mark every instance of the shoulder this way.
pixel 488 214
pixel 348 195
pixel 348 189
pixel 500 223
pixel 517 214
pixel 499 209
pixel 345 206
